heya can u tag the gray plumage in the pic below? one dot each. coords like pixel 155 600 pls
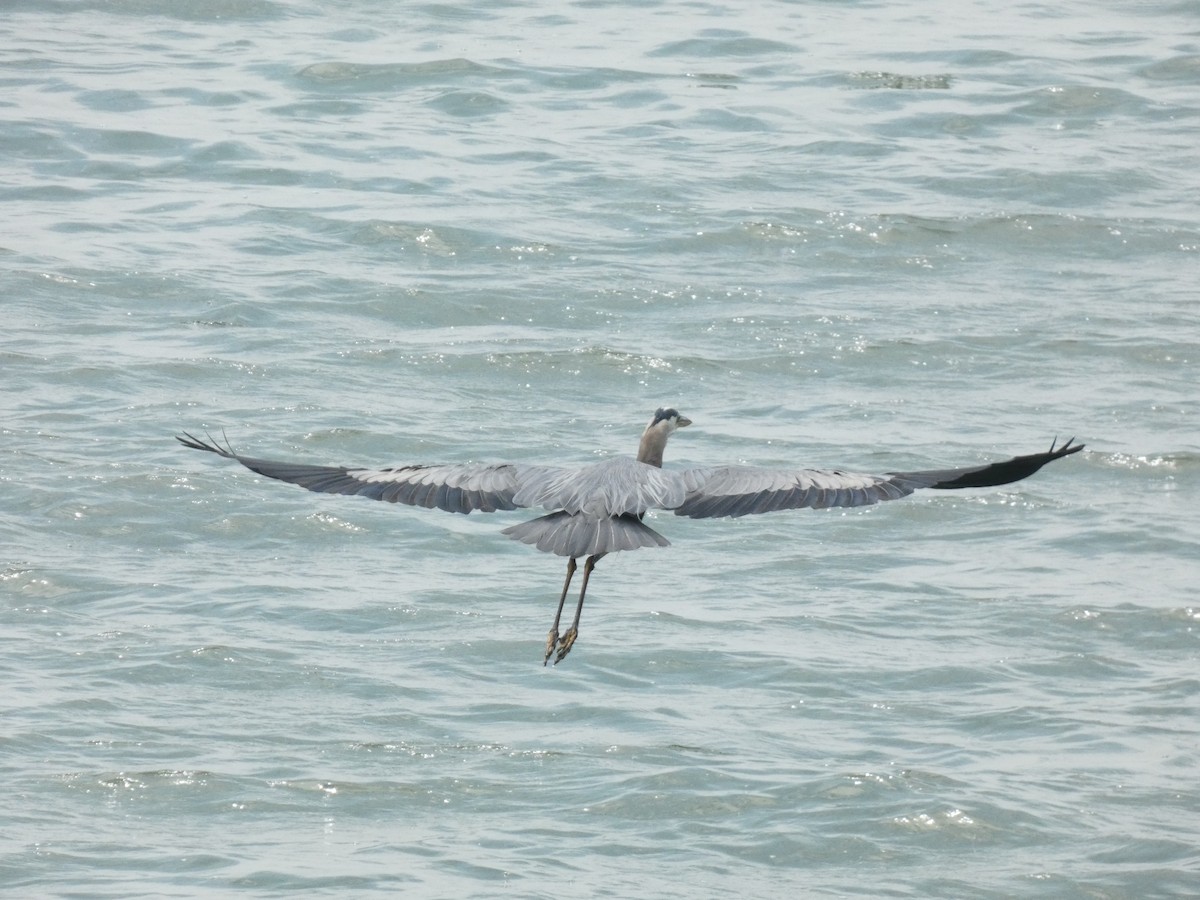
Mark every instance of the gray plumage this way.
pixel 597 509
pixel 575 535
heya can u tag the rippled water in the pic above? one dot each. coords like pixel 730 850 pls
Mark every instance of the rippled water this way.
pixel 871 235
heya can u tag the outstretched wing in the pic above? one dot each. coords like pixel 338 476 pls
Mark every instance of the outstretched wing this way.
pixel 455 488
pixel 745 490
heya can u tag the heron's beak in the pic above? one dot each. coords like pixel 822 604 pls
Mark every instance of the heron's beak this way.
pixel 683 422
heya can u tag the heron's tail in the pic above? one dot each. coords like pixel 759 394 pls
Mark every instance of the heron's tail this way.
pixel 582 535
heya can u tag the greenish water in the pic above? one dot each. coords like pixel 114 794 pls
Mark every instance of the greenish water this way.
pixel 862 235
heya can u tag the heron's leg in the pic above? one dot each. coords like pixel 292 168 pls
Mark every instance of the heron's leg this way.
pixel 568 638
pixel 552 637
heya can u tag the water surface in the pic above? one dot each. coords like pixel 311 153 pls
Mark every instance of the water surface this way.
pixel 866 235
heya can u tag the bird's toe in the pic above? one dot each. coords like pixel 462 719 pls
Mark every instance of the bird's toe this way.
pixel 551 643
pixel 565 644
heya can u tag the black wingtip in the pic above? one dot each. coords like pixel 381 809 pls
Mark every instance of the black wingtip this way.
pixel 1066 449
pixel 211 445
pixel 998 473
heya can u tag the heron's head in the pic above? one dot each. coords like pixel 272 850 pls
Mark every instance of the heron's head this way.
pixel 654 438
pixel 667 420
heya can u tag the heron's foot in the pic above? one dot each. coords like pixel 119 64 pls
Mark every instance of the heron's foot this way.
pixel 565 643
pixel 551 643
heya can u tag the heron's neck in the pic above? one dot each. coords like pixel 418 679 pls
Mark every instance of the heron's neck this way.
pixel 650 450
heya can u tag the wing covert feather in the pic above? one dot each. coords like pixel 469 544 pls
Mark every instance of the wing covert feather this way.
pixel 747 490
pixel 614 487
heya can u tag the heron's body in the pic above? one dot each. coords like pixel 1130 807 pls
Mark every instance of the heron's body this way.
pixel 598 509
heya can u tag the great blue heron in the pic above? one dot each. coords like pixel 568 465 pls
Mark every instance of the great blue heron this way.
pixel 598 509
